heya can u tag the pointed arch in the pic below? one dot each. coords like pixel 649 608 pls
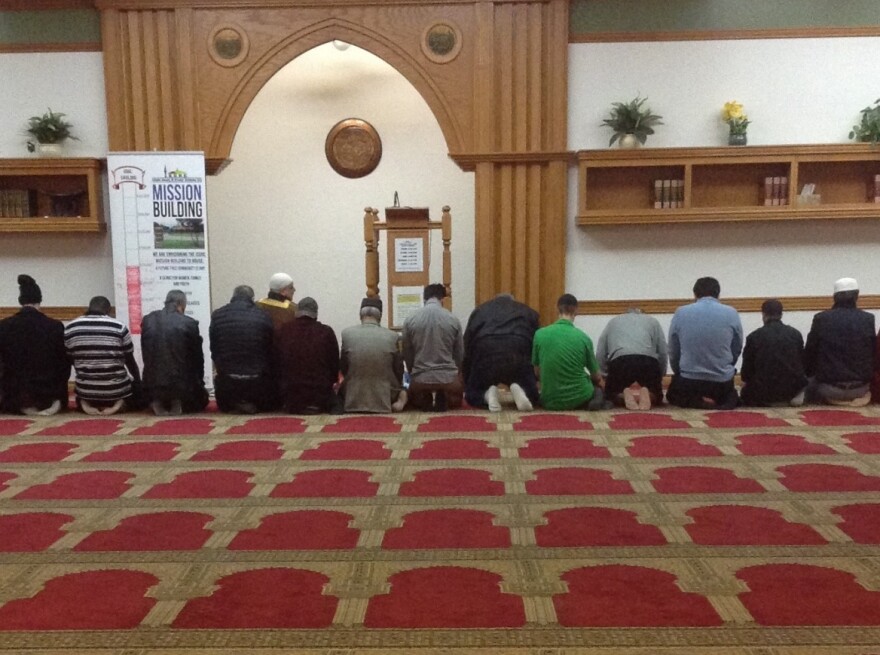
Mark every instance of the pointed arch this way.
pixel 325 31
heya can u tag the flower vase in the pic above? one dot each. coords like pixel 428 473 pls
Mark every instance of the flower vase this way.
pixel 737 139
pixel 629 140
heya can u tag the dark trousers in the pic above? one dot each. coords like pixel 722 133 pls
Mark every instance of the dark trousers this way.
pixel 688 393
pixel 15 401
pixel 501 361
pixel 261 392
pixel 626 370
pixel 422 396
pixel 194 399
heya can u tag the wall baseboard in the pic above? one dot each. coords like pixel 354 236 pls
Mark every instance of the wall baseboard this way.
pixel 747 305
pixel 598 307
pixel 60 313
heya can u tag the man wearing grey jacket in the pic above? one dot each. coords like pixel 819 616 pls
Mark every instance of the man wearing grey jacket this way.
pixel 632 357
pixel 372 364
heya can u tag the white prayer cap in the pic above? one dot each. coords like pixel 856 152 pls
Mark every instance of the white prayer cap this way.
pixel 279 281
pixel 846 284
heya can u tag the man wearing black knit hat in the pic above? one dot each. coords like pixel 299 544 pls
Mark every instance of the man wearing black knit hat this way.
pixel 32 357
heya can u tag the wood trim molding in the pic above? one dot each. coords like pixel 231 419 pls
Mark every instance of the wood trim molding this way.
pixel 17 48
pixel 36 5
pixel 748 305
pixel 659 156
pixel 469 161
pixel 263 4
pixel 59 313
pixel 725 35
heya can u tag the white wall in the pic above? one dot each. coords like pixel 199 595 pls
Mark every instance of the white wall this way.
pixel 794 91
pixel 69 268
pixel 280 207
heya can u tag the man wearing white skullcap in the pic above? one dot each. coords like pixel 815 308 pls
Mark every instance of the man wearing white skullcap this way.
pixel 279 303
pixel 839 355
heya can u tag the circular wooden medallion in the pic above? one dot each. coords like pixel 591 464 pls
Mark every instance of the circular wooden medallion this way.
pixel 441 42
pixel 228 45
pixel 353 148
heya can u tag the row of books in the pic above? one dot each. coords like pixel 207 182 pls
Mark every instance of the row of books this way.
pixel 17 203
pixel 775 190
pixel 668 194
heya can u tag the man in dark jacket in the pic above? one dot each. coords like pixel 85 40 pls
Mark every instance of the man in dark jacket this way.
pixel 498 350
pixel 33 360
pixel 241 347
pixel 839 356
pixel 772 367
pixel 174 365
pixel 308 355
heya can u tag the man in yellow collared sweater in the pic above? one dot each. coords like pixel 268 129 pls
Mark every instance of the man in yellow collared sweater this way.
pixel 279 305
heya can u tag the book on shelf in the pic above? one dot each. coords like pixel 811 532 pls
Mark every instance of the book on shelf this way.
pixel 668 194
pixel 775 190
pixel 17 203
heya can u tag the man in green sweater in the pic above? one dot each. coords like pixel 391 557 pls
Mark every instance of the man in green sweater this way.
pixel 562 354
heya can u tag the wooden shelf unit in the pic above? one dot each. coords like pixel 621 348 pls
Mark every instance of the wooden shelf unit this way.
pixel 616 187
pixel 64 194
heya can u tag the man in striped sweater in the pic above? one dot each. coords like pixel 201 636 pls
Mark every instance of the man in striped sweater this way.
pixel 101 350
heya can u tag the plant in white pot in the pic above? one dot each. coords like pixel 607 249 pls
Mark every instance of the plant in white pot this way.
pixel 868 130
pixel 50 131
pixel 632 122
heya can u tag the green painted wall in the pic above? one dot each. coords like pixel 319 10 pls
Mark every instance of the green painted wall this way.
pixel 56 26
pixel 588 16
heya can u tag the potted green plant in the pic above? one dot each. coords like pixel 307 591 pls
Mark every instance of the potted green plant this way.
pixel 632 122
pixel 49 131
pixel 869 129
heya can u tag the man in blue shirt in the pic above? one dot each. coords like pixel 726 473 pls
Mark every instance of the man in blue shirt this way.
pixel 705 340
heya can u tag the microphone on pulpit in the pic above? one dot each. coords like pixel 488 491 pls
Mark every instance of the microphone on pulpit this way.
pixel 396 200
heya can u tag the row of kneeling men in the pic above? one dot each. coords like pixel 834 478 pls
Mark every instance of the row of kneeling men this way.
pixel 275 354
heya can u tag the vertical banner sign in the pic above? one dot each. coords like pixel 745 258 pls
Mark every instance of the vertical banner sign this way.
pixel 158 219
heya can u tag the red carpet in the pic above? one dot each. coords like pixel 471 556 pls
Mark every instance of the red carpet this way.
pixel 266 598
pixel 562 448
pixel 629 596
pixel 607 533
pixel 302 530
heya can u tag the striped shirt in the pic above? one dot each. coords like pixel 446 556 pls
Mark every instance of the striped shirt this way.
pixel 97 345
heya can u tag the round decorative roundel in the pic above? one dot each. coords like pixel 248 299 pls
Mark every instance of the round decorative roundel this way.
pixel 441 42
pixel 353 148
pixel 228 45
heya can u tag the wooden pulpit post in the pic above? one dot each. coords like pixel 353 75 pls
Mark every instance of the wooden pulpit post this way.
pixel 446 233
pixel 371 241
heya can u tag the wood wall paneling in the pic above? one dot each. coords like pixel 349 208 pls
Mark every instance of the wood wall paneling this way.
pixel 501 102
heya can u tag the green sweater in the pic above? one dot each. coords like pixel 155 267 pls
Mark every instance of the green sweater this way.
pixel 563 351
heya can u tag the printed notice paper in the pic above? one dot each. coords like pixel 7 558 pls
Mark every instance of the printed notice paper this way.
pixel 158 216
pixel 409 255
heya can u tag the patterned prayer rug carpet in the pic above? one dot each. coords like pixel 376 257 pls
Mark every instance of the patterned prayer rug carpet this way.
pixel 669 532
